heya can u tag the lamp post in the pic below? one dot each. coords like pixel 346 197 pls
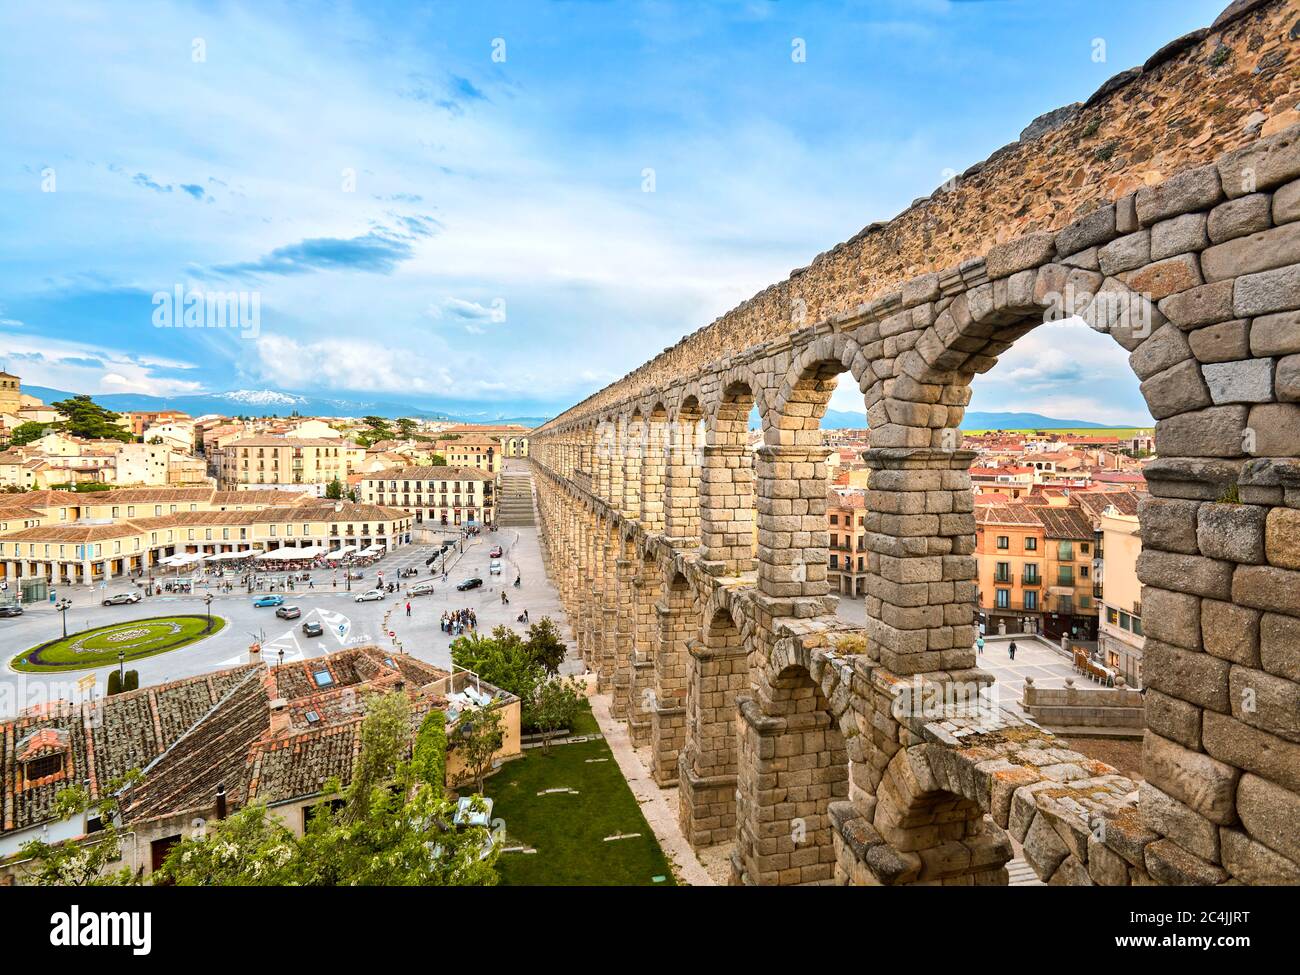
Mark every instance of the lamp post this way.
pixel 207 601
pixel 63 605
pixel 121 668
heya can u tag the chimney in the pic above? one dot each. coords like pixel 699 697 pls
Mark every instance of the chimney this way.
pixel 221 802
pixel 279 717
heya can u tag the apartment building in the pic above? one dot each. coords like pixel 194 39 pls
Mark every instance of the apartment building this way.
pixel 1009 551
pixel 440 496
pixel 476 451
pixel 847 555
pixel 69 538
pixel 1119 627
pixel 286 463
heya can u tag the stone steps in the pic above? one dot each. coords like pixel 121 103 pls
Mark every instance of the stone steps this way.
pixel 1021 874
pixel 515 500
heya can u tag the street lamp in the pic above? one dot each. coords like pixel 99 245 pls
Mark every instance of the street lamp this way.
pixel 63 605
pixel 207 601
pixel 121 668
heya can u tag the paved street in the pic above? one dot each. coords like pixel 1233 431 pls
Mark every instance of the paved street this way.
pixel 346 622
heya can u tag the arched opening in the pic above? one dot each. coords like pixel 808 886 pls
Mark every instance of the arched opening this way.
pixel 654 459
pixel 682 474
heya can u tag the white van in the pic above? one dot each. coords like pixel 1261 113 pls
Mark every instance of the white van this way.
pixel 495 567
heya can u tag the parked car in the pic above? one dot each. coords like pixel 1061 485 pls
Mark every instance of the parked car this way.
pixel 288 612
pixel 495 553
pixel 122 599
pixel 495 568
pixel 312 628
pixel 261 602
pixel 422 589
pixel 370 596
pixel 12 609
pixel 469 584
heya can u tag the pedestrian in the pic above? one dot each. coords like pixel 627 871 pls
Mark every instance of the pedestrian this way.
pixel 979 645
pixel 1011 649
pixel 408 607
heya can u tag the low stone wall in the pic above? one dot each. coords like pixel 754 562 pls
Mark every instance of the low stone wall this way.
pixel 1083 707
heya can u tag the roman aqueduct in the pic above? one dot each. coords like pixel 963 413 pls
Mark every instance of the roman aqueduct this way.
pixel 1165 211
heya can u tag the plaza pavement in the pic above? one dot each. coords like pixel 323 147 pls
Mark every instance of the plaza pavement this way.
pixel 346 622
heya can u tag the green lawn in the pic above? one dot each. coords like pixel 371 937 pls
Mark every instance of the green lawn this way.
pixel 100 646
pixel 568 831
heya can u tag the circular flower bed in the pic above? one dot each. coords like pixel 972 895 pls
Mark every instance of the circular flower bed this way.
pixel 100 647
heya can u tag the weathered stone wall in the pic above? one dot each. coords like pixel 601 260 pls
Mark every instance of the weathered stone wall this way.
pixel 873 755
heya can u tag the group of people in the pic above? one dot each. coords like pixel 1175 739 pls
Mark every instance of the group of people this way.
pixel 458 621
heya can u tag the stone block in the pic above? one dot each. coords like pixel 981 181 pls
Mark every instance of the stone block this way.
pixel 1270 814
pixel 1166 347
pixel 1286 203
pixel 1178 389
pixel 1261 165
pixel 1168 524
pixel 1186 573
pixel 1171 718
pixel 1020 254
pixel 1173 617
pixel 1188 675
pixel 1230 632
pixel 1125 253
pixel 1179 235
pixel 1214 432
pixel 1282 538
pixel 1163 278
pixel 1224 342
pixel 1244 381
pixel 1254 863
pixel 1251 749
pixel 1239 217
pixel 1275 429
pixel 1279 645
pixel 1191 189
pixel 1287 379
pixel 1266 702
pixel 1232 531
pixel 1268 588
pixel 1260 251
pixel 1275 334
pixel 1203 305
pixel 1163 814
pixel 1266 292
pixel 1172 865
pixel 1205 784
pixel 1088 231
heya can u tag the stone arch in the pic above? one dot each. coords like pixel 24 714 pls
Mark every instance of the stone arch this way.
pixel 683 470
pixel 673 629
pixel 726 515
pixel 806 389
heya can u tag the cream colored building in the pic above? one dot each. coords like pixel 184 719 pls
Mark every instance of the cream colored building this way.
pixel 434 495
pixel 251 463
pixel 90 538
pixel 1119 630
pixel 11 393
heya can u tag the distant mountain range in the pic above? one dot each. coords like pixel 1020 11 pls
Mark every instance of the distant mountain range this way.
pixel 979 421
pixel 270 402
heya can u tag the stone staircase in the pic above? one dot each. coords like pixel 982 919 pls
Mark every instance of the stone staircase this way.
pixel 515 499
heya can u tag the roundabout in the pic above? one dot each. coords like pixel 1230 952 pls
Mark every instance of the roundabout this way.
pixel 101 646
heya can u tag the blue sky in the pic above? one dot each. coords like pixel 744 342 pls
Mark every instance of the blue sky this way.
pixel 447 202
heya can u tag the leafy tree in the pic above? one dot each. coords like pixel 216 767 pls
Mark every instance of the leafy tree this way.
pixel 82 864
pixel 545 645
pixel 502 659
pixel 86 418
pixel 554 706
pixel 114 683
pixel 131 682
pixel 406 425
pixel 437 460
pixel 250 848
pixel 384 736
pixel 479 739
pixel 334 490
pixel 25 433
pixel 429 759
